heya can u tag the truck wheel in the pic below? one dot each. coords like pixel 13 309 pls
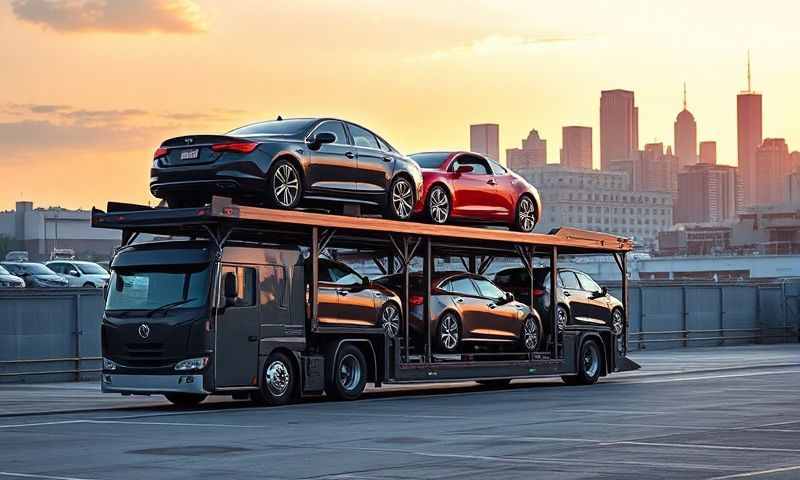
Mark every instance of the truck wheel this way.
pixel 590 363
pixel 278 382
pixel 347 376
pixel 185 399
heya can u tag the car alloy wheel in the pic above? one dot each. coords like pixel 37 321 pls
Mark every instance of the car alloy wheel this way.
pixel 530 334
pixel 561 318
pixel 286 185
pixel 617 321
pixel 402 198
pixel 526 214
pixel 448 332
pixel 390 320
pixel 438 205
pixel 277 378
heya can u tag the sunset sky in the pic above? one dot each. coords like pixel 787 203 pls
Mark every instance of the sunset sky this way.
pixel 89 88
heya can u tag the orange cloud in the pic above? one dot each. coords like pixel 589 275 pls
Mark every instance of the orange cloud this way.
pixel 118 16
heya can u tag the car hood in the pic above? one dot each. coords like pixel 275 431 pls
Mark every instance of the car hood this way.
pixel 11 278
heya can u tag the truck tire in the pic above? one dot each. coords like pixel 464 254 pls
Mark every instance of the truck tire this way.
pixel 278 385
pixel 185 399
pixel 346 377
pixel 590 363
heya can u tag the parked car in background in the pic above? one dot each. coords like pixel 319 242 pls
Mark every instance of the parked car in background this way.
pixel 347 298
pixel 35 275
pixel 17 256
pixel 10 281
pixel 286 164
pixel 469 187
pixel 80 273
pixel 468 309
pixel 62 254
pixel 580 300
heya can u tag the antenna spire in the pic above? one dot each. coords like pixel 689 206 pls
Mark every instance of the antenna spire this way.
pixel 684 95
pixel 749 80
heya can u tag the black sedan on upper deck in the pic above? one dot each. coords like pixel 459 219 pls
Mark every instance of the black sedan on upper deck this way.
pixel 287 163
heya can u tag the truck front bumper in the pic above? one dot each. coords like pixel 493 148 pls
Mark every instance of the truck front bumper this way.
pixel 147 384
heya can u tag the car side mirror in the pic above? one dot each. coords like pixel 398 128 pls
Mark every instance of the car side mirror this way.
pixel 601 293
pixel 73 273
pixel 462 169
pixel 229 289
pixel 509 297
pixel 322 138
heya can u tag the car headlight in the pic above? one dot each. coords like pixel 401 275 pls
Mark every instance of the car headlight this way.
pixel 192 364
pixel 109 364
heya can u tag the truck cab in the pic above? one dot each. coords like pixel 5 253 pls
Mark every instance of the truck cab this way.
pixel 187 319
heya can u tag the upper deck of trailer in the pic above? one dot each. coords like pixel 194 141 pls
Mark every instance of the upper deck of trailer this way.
pixel 222 213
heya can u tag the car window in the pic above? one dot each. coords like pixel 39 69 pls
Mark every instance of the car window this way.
pixel 479 165
pixel 13 269
pixel 569 280
pixel 363 138
pixel 488 289
pixel 463 286
pixel 431 159
pixel 57 267
pixel 245 285
pixel 342 275
pixel 336 128
pixel 497 169
pixel 384 146
pixel 91 269
pixel 275 127
pixel 587 283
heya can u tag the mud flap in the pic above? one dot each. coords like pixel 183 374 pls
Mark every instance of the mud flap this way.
pixel 626 365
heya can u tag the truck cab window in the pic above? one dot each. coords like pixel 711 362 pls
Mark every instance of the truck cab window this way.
pixel 245 285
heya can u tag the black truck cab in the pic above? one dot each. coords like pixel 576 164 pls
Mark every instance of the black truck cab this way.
pixel 187 319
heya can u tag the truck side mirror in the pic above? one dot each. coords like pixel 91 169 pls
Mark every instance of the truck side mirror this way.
pixel 229 289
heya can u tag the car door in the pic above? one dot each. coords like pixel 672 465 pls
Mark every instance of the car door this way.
pixel 573 294
pixel 474 192
pixel 327 297
pixel 63 269
pixel 597 311
pixel 500 317
pixel 470 305
pixel 356 303
pixel 374 164
pixel 505 190
pixel 333 167
pixel 237 331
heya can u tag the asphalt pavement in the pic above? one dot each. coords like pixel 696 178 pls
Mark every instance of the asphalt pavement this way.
pixel 712 413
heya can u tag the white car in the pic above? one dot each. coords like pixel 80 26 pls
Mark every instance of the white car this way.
pixel 79 273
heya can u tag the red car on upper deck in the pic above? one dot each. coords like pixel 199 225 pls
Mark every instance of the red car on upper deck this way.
pixel 469 187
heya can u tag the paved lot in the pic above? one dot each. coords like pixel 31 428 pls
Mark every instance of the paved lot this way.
pixel 687 414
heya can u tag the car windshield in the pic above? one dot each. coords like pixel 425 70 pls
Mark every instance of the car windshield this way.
pixel 33 269
pixel 430 160
pixel 3 271
pixel 91 269
pixel 275 127
pixel 147 288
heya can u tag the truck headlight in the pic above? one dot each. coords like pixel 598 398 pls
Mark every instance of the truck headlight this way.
pixel 192 364
pixel 108 364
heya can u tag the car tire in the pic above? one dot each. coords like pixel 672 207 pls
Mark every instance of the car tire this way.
pixel 285 185
pixel 390 319
pixel 400 203
pixel 531 334
pixel 278 385
pixel 562 318
pixel 495 383
pixel 438 206
pixel 185 399
pixel 347 375
pixel 89 285
pixel 448 333
pixel 526 219
pixel 590 364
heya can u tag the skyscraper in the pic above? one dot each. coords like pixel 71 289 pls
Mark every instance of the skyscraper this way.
pixel 685 135
pixel 619 127
pixel 707 193
pixel 657 170
pixel 774 164
pixel 708 152
pixel 749 136
pixel 532 154
pixel 576 149
pixel 485 138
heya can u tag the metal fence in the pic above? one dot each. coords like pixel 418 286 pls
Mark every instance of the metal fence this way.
pixel 54 335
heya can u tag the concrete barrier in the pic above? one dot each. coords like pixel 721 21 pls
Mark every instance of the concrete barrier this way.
pixel 54 334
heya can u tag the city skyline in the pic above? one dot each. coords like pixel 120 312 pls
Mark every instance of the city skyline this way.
pixel 115 88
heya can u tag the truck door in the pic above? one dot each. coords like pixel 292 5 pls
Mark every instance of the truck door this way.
pixel 236 353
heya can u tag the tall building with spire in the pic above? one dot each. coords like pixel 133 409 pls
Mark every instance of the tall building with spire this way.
pixel 685 135
pixel 749 136
pixel 619 127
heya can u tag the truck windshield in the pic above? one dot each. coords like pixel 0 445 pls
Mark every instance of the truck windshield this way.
pixel 149 288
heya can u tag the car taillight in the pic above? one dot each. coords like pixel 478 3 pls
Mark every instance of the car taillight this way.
pixel 160 152
pixel 244 147
pixel 538 292
pixel 416 300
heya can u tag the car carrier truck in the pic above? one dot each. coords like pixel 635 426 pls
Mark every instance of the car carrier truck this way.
pixel 215 300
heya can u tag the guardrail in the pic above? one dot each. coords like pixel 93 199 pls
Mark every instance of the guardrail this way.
pixel 54 334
